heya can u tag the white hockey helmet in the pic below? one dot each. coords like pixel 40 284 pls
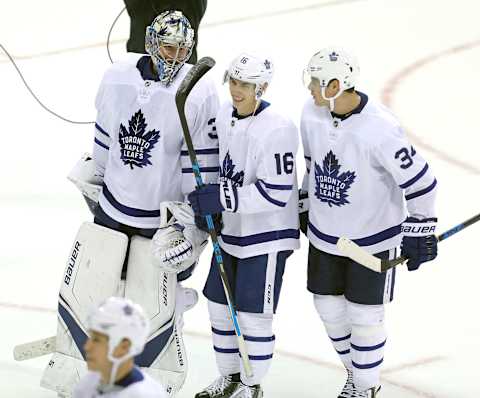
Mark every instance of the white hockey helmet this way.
pixel 169 28
pixel 251 69
pixel 120 318
pixel 332 63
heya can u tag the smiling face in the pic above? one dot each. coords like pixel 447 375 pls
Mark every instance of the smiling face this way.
pixel 243 96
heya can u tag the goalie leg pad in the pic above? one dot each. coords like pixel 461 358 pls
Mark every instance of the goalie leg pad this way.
pixel 91 275
pixel 164 355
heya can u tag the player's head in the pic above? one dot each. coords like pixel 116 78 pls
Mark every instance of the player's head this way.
pixel 248 77
pixel 169 40
pixel 118 331
pixel 330 73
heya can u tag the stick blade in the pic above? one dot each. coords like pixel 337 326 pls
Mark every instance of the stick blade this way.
pixel 34 349
pixel 356 253
pixel 192 77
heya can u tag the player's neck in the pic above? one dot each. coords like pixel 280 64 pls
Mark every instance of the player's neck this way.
pixel 346 103
pixel 123 370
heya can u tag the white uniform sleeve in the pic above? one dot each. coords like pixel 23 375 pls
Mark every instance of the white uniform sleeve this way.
pixel 201 121
pixel 102 138
pixel 411 173
pixel 276 174
pixel 307 157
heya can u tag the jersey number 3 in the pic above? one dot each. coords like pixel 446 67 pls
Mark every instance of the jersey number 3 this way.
pixel 405 156
pixel 287 160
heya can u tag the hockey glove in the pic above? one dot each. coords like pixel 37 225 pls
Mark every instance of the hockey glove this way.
pixel 419 243
pixel 206 200
pixel 303 210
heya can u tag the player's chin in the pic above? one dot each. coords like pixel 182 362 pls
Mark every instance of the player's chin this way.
pixel 91 364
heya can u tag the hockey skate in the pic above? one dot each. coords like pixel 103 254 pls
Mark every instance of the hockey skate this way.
pixel 222 387
pixel 349 390
pixel 244 391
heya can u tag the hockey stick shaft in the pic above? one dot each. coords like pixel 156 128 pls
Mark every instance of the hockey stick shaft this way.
pixel 355 252
pixel 192 77
pixel 34 349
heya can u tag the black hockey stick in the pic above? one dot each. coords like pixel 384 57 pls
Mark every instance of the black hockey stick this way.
pixel 356 253
pixel 192 77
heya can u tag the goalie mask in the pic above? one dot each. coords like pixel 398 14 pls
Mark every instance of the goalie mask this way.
pixel 251 69
pixel 120 318
pixel 332 64
pixel 169 40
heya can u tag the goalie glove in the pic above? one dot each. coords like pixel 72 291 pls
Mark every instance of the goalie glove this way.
pixel 178 243
pixel 419 243
pixel 87 180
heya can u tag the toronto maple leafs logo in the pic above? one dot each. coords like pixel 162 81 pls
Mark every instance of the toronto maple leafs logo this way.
pixel 135 143
pixel 330 186
pixel 228 171
pixel 333 56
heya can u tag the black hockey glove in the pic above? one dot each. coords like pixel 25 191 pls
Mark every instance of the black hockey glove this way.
pixel 419 243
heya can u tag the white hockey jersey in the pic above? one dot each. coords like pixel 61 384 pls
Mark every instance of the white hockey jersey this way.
pixel 362 177
pixel 257 154
pixel 138 144
pixel 136 385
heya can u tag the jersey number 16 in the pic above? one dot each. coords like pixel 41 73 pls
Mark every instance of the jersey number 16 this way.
pixel 287 160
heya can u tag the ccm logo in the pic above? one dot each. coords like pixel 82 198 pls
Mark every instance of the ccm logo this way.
pixel 226 194
pixel 71 262
pixel 425 230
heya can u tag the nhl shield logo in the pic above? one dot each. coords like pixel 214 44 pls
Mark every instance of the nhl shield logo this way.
pixel 136 143
pixel 331 186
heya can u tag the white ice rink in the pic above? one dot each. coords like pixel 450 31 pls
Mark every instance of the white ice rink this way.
pixel 421 57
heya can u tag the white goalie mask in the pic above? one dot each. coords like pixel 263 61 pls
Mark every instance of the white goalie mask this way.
pixel 120 318
pixel 251 69
pixel 170 28
pixel 332 63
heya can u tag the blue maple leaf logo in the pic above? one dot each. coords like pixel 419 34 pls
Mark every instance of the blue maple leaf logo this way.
pixel 330 186
pixel 135 143
pixel 228 171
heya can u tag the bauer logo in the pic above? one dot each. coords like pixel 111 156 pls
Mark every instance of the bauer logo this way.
pixel 136 143
pixel 72 260
pixel 331 186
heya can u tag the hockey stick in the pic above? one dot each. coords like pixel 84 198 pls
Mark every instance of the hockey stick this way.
pixel 192 77
pixel 361 256
pixel 34 349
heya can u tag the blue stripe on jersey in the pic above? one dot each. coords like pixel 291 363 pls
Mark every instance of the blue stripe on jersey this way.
pixel 207 151
pixel 415 179
pixel 260 357
pixel 367 241
pixel 345 352
pixel 129 211
pixel 368 365
pixel 368 348
pixel 78 335
pixel 277 186
pixel 267 197
pixel 101 130
pixel 422 191
pixel 154 347
pixel 267 339
pixel 261 238
pixel 101 144
pixel 203 170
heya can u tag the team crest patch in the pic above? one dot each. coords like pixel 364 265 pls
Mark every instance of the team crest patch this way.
pixel 228 171
pixel 135 142
pixel 330 186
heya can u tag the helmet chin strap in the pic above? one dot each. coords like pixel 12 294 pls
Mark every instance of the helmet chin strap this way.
pixel 331 100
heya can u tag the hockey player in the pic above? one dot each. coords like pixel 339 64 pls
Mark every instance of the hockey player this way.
pixel 139 175
pixel 257 199
pixel 364 181
pixel 118 330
